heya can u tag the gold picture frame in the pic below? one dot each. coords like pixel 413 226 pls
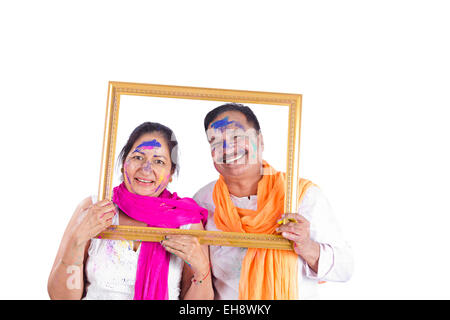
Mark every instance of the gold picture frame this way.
pixel 118 89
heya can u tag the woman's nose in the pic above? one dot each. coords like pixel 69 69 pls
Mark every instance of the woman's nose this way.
pixel 147 167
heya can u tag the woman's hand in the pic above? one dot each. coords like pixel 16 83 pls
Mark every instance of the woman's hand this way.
pixel 93 220
pixel 189 249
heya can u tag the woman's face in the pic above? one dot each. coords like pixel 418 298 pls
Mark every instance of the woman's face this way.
pixel 147 167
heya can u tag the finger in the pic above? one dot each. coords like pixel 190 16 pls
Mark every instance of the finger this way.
pixel 291 236
pixel 97 213
pixel 103 203
pixel 285 219
pixel 98 229
pixel 105 222
pixel 176 252
pixel 290 227
pixel 292 217
pixel 106 206
pixel 174 245
pixel 105 210
pixel 107 216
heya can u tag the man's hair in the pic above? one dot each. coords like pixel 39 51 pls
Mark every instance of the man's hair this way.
pixel 246 111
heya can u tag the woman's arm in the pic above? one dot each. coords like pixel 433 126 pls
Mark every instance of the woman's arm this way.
pixel 66 280
pixel 69 261
pixel 196 281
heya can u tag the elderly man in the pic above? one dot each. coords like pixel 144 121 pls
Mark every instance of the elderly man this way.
pixel 249 197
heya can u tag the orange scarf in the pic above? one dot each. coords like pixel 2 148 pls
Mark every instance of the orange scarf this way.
pixel 266 274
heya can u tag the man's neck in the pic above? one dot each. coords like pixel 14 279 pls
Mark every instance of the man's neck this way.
pixel 243 186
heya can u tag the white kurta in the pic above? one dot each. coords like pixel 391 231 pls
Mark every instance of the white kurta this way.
pixel 335 262
pixel 111 269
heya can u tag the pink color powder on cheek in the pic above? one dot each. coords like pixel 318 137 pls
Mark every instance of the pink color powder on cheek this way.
pixel 125 169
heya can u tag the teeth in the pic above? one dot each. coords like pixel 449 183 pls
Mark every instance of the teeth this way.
pixel 144 180
pixel 235 158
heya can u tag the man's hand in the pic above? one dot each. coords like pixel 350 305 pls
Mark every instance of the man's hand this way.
pixel 297 230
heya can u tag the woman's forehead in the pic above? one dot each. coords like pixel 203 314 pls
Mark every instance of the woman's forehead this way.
pixel 150 141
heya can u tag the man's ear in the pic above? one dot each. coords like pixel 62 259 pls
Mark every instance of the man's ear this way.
pixel 261 141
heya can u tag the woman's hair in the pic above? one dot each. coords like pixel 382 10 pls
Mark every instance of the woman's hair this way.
pixel 246 111
pixel 150 127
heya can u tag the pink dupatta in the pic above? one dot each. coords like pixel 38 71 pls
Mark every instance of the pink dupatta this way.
pixel 166 211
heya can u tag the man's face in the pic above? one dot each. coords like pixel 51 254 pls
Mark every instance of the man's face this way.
pixel 236 147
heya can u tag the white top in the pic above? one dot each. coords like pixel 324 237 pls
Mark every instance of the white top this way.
pixel 111 269
pixel 335 262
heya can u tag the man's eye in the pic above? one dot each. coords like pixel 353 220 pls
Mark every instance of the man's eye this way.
pixel 216 144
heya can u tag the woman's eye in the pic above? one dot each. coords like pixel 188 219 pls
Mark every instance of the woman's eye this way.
pixel 138 157
pixel 160 162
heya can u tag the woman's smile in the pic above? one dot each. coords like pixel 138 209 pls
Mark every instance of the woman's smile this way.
pixel 144 181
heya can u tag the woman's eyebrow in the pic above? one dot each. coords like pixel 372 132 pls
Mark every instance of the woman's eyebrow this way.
pixel 159 156
pixel 138 151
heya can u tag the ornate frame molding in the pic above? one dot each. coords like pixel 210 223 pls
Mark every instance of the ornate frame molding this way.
pixel 117 89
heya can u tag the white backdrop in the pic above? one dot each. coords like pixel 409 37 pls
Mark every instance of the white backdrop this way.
pixel 375 83
pixel 186 118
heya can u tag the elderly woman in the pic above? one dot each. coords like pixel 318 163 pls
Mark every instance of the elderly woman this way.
pixel 249 197
pixel 176 268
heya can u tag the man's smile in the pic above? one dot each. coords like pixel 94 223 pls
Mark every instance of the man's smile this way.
pixel 231 157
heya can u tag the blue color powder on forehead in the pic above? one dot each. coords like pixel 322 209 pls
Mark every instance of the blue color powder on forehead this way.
pixel 224 122
pixel 149 144
pixel 221 123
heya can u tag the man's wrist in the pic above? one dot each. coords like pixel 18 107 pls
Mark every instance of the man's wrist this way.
pixel 310 252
